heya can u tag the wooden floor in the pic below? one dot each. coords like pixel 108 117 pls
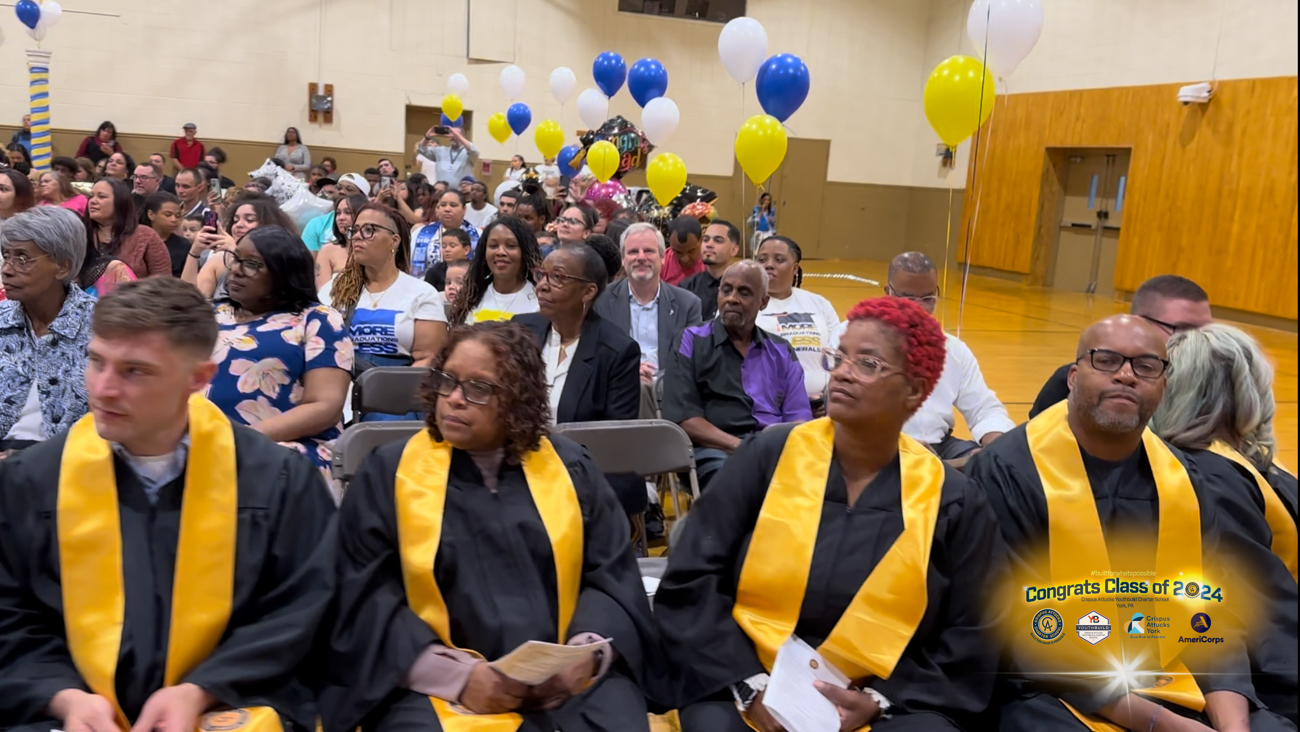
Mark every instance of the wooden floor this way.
pixel 1022 334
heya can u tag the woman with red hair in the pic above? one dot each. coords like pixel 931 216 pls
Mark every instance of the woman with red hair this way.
pixel 846 545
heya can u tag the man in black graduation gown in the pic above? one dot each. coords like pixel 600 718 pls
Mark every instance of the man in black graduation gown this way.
pixel 158 563
pixel 1115 386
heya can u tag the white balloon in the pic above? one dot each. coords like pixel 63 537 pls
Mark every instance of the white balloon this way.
pixel 37 33
pixel 742 46
pixel 512 81
pixel 457 84
pixel 562 82
pixel 593 108
pixel 51 12
pixel 1011 29
pixel 659 119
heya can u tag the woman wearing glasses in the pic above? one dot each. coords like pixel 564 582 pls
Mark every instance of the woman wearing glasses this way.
pixel 806 320
pixel 333 254
pixel 284 361
pixel 575 222
pixel 478 535
pixel 500 281
pixel 206 267
pixel 849 536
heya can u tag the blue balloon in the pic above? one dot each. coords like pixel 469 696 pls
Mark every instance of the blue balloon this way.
pixel 447 122
pixel 782 85
pixel 519 116
pixel 565 160
pixel 28 12
pixel 610 71
pixel 648 79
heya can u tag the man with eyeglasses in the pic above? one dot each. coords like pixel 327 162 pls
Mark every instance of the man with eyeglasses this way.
pixel 913 276
pixel 1086 495
pixel 1169 302
pixel 145 183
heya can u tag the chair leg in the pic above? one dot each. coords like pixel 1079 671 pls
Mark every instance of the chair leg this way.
pixel 640 543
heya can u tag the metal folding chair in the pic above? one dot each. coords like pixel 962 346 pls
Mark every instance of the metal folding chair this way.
pixel 646 447
pixel 359 440
pixel 388 390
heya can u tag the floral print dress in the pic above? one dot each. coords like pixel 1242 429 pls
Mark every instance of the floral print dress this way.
pixel 261 364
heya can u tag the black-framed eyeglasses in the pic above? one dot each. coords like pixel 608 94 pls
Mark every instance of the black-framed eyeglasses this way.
pixel 250 267
pixel 21 263
pixel 1169 328
pixel 864 367
pixel 475 392
pixel 928 301
pixel 366 232
pixel 557 279
pixel 1145 366
pixel 144 177
pixel 570 221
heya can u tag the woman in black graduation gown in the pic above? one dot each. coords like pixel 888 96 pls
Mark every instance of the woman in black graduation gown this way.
pixel 533 547
pixel 851 536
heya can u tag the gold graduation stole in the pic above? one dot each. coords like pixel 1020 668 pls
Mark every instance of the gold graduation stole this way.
pixel 90 559
pixel 421 496
pixel 1275 513
pixel 1078 545
pixel 875 629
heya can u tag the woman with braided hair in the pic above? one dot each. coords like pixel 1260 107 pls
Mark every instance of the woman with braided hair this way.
pixel 804 319
pixel 499 284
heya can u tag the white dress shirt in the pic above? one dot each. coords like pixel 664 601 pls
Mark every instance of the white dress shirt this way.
pixel 557 367
pixel 962 387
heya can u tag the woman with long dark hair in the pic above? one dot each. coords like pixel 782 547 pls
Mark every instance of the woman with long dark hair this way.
pixel 500 281
pixel 113 229
pixel 294 154
pixel 100 145
pixel 247 212
pixel 333 254
pixel 284 360
pixel 16 193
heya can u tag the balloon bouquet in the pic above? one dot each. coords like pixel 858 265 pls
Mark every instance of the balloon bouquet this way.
pixel 38 18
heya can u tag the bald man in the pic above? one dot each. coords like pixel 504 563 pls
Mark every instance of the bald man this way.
pixel 1086 497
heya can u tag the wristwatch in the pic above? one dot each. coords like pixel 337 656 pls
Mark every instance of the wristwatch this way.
pixel 748 690
pixel 881 702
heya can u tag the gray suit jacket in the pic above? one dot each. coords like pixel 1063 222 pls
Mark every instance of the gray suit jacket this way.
pixel 678 310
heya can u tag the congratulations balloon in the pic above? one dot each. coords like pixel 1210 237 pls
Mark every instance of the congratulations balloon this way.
pixel 958 98
pixel 452 107
pixel 647 79
pixel 549 137
pixel 498 127
pixel 519 116
pixel 29 13
pixel 603 160
pixel 760 147
pixel 609 70
pixel 1010 28
pixel 593 108
pixel 742 46
pixel 666 176
pixel 659 119
pixel 562 82
pixel 565 160
pixel 782 86
pixel 457 84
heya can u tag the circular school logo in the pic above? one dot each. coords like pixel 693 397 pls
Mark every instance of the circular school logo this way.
pixel 1201 623
pixel 231 719
pixel 1192 589
pixel 1048 625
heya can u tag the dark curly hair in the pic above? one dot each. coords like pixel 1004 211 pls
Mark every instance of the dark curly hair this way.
pixel 523 408
pixel 923 343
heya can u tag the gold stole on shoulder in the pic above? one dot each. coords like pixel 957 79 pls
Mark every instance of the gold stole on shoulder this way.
pixel 875 629
pixel 1275 513
pixel 421 496
pixel 1078 545
pixel 90 557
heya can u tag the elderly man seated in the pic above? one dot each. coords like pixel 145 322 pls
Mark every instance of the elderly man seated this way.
pixel 44 326
pixel 729 378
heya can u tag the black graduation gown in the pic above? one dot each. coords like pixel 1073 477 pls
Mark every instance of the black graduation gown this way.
pixel 496 571
pixel 1233 534
pixel 948 668
pixel 284 582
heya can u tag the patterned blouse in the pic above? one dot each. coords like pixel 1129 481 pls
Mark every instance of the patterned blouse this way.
pixel 56 360
pixel 261 364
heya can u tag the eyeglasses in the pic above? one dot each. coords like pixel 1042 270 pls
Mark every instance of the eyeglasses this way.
pixel 366 232
pixel 557 279
pixel 250 267
pixel 928 301
pixel 475 392
pixel 145 177
pixel 864 367
pixel 570 221
pixel 1110 362
pixel 1169 328
pixel 21 263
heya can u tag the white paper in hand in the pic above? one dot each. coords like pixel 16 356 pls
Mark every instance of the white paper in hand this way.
pixel 791 697
pixel 535 662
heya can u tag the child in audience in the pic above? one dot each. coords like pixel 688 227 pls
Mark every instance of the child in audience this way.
pixel 455 272
pixel 456 247
pixel 190 227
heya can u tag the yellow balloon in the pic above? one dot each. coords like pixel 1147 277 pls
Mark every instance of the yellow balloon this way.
pixel 666 176
pixel 959 98
pixel 549 137
pixel 760 147
pixel 452 106
pixel 603 159
pixel 498 127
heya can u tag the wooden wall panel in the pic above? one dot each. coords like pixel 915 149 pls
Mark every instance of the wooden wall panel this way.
pixel 1212 188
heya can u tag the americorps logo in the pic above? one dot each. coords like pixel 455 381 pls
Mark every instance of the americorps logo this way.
pixel 1201 624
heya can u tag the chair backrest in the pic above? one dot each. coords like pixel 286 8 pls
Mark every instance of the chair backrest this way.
pixel 359 440
pixel 641 446
pixel 389 390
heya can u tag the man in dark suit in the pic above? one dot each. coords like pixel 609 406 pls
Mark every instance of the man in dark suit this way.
pixel 654 313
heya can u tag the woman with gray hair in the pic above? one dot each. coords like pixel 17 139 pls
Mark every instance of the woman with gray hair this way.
pixel 44 326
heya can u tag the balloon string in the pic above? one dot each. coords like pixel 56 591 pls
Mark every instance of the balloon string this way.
pixel 947 246
pixel 974 176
